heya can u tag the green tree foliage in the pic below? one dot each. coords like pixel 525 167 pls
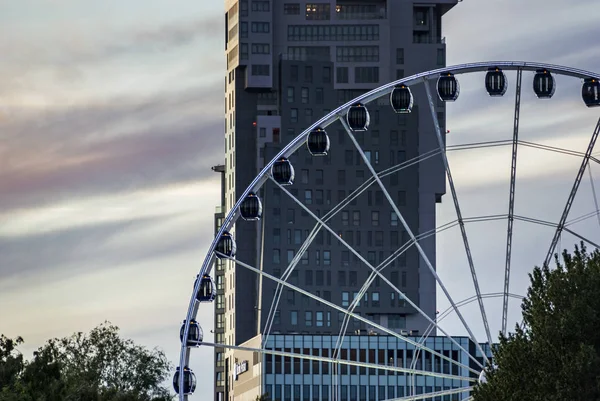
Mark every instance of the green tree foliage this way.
pixel 555 355
pixel 99 366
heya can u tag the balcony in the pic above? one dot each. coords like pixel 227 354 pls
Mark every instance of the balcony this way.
pixel 424 39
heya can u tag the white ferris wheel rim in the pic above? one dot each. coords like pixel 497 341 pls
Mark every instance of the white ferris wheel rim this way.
pixel 325 121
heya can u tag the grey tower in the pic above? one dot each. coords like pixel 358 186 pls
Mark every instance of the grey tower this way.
pixel 288 64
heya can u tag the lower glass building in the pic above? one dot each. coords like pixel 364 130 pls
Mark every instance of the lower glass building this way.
pixel 284 378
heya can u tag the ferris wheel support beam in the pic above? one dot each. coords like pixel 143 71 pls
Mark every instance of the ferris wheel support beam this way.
pixel 571 198
pixel 461 223
pixel 594 193
pixel 417 245
pixel 511 201
pixel 385 280
pixel 359 317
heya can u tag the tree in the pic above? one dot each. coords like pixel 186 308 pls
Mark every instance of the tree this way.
pixel 99 366
pixel 555 354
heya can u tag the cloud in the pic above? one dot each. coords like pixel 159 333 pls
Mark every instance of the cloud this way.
pixel 111 146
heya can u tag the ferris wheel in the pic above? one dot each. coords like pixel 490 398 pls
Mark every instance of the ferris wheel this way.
pixel 355 118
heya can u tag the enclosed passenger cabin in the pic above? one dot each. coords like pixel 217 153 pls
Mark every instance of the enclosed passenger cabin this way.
pixel 225 246
pixel 195 334
pixel 207 291
pixel 251 208
pixel 189 381
pixel 448 87
pixel 401 99
pixel 358 118
pixel 496 82
pixel 590 92
pixel 282 172
pixel 543 84
pixel 318 142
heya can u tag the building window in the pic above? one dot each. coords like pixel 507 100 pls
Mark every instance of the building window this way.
pixel 341 177
pixel 291 297
pixel 277 318
pixel 294 318
pixel 308 74
pixel 396 321
pixel 261 5
pixel 357 53
pixel 261 69
pixel 327 258
pixel 345 298
pixel 341 75
pixel 244 8
pixel 394 219
pixel 375 299
pixel 262 132
pixel 260 27
pixel 293 115
pixel 345 217
pixel 308 196
pixel 400 56
pixel 366 75
pixel 308 318
pixel 304 176
pixel 293 73
pixel 308 277
pixel 375 218
pixel 318 11
pixel 243 29
pixel 308 115
pixel 291 8
pixel 319 319
pixel 260 48
pixel 290 94
pixel 304 258
pixel 356 218
pixel 276 236
pixel 276 256
pixel 304 95
pixel 297 237
pixel 319 177
pixel 312 33
pixel 319 97
pixel 244 51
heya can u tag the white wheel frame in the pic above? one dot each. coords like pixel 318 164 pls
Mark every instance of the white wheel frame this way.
pixel 340 113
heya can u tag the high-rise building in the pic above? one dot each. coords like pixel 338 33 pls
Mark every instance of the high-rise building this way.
pixel 290 62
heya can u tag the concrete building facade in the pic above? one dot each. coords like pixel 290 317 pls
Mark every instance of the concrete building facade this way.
pixel 289 63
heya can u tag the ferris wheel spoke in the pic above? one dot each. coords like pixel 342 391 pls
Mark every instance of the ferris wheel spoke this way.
pixel 582 218
pixel 511 201
pixel 410 233
pixel 458 211
pixel 338 361
pixel 359 317
pixel 434 394
pixel 571 198
pixel 594 193
pixel 555 225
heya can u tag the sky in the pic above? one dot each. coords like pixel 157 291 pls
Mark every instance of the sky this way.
pixel 111 117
